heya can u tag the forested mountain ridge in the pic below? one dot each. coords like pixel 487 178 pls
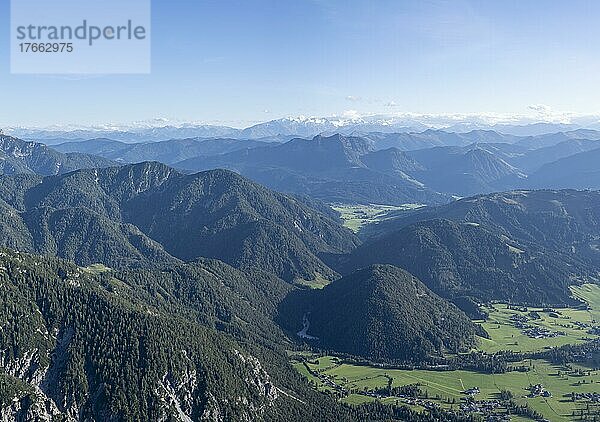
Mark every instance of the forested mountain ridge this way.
pixel 464 259
pixel 465 171
pixel 520 246
pixel 22 157
pixel 84 345
pixel 149 213
pixel 190 342
pixel 380 312
pixel 566 221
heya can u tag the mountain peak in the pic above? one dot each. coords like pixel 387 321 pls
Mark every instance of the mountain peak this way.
pixel 354 143
pixel 27 157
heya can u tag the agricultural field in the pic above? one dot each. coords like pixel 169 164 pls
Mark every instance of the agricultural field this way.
pixel 446 388
pixel 356 216
pixel 547 329
pixel 510 329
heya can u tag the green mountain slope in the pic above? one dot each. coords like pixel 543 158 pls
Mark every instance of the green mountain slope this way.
pixel 88 353
pixel 464 259
pixel 380 312
pixel 148 214
pixel 22 157
pixel 524 246
pixel 563 221
pixel 144 346
pixel 191 342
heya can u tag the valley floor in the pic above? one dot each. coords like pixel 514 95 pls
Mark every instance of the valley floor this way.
pixel 570 390
pixel 446 388
pixel 530 329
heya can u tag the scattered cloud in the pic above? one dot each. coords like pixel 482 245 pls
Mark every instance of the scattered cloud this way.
pixel 353 98
pixel 391 104
pixel 540 108
pixel 546 113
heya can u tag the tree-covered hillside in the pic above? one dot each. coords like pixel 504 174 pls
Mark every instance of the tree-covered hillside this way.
pixel 191 342
pixel 380 312
pixel 22 157
pixel 465 259
pixel 90 345
pixel 566 222
pixel 145 214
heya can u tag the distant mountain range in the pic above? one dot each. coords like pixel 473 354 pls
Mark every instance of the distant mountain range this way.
pixel 338 168
pixel 578 171
pixel 465 171
pixel 55 136
pixel 167 152
pixel 429 167
pixel 301 126
pixel 380 169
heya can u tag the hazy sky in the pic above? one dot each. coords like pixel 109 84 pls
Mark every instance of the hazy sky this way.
pixel 243 61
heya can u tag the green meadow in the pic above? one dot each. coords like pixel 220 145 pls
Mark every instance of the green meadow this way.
pixel 505 336
pixel 443 386
pixel 356 216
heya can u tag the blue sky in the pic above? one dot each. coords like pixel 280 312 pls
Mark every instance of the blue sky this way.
pixel 239 62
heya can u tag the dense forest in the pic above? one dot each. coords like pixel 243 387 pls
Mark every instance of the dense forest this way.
pixel 87 345
pixel 464 259
pixel 381 312
pixel 146 214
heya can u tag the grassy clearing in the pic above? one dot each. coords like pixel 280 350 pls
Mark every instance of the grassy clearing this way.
pixel 356 216
pixel 318 283
pixel 96 269
pixel 589 293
